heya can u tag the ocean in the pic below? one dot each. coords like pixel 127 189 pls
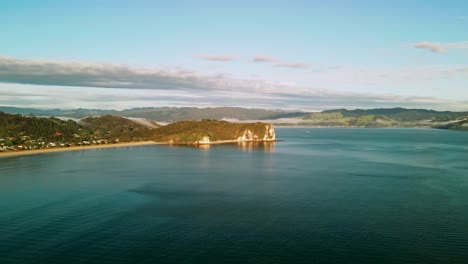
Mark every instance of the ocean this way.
pixel 321 195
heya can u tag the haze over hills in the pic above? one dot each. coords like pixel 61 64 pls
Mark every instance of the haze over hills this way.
pixel 381 117
pixel 163 114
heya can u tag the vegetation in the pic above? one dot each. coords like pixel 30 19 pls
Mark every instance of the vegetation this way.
pixel 112 128
pixel 191 131
pixel 165 114
pixel 17 128
pixel 392 117
pixel 30 132
pixel 460 125
pixel 338 119
pixel 384 117
pixel 403 114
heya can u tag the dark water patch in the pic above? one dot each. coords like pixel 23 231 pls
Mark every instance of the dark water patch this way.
pixel 167 193
pixel 72 171
pixel 407 177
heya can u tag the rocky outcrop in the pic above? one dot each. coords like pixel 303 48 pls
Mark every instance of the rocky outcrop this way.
pixel 213 132
pixel 250 136
pixel 269 133
pixel 205 140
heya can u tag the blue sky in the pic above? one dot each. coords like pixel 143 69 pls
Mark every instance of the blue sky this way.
pixel 309 55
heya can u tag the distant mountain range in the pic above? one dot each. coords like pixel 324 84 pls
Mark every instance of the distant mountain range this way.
pixel 163 114
pixel 382 117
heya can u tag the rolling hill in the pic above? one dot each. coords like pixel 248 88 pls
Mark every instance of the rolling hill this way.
pixel 39 132
pixel 382 117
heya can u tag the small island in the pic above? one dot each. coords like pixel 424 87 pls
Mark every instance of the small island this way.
pixel 31 134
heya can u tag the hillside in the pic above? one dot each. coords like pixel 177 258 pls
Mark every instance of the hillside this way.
pixel 402 114
pixel 385 117
pixel 460 125
pixel 338 119
pixel 108 126
pixel 16 128
pixel 40 132
pixel 163 114
pixel 382 117
pixel 191 131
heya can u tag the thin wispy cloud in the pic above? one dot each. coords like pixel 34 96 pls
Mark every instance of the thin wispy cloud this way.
pixel 215 57
pixel 118 99
pixel 280 63
pixel 431 46
pixel 441 47
pixel 397 77
pixel 262 58
pixel 335 67
pixel 293 65
pixel 457 45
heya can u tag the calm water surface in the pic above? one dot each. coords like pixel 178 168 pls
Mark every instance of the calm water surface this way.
pixel 319 196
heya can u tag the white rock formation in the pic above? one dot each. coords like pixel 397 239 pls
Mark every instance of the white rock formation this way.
pixel 250 136
pixel 269 133
pixel 205 140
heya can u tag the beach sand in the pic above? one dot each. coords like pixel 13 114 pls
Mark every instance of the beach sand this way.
pixel 60 149
pixel 123 144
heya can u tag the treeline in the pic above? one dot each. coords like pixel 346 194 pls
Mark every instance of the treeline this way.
pixel 23 129
pixel 192 131
pixel 461 125
pixel 50 129
pixel 19 129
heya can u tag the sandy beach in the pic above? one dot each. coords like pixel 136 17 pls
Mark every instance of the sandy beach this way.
pixel 50 150
pixel 117 145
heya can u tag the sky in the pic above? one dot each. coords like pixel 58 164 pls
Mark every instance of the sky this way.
pixel 297 55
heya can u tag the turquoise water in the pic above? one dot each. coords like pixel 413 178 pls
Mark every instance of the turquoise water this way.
pixel 319 196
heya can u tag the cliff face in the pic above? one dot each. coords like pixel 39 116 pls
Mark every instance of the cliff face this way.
pixel 269 135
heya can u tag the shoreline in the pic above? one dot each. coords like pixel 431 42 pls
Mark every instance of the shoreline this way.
pixel 63 149
pixel 28 152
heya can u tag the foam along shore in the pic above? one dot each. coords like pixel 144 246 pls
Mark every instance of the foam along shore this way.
pixel 61 149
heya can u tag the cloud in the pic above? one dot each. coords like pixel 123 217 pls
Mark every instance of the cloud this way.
pixel 279 63
pixel 47 84
pixel 434 47
pixel 293 65
pixel 457 45
pixel 212 57
pixel 63 73
pixel 47 97
pixel 85 74
pixel 262 58
pixel 441 47
pixel 335 67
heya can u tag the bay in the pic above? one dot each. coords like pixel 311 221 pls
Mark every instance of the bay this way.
pixel 318 196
